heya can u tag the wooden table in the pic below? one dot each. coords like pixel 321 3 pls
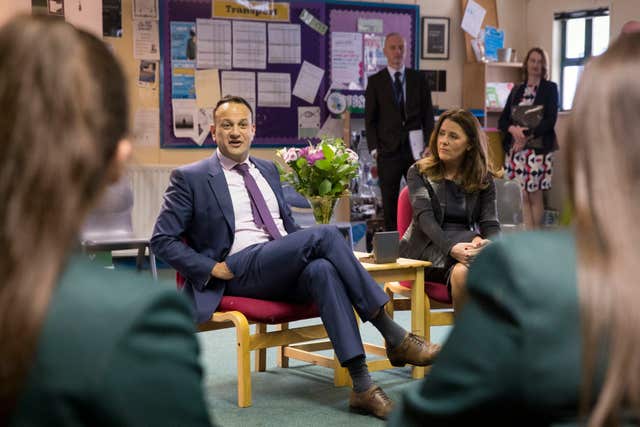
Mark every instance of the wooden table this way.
pixel 402 269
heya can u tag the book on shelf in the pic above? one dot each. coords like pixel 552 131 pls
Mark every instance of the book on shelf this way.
pixel 497 94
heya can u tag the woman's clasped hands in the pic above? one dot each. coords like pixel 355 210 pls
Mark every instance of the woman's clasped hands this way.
pixel 519 138
pixel 465 252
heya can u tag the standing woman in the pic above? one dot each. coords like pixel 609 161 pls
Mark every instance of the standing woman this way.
pixel 531 166
pixel 453 198
pixel 79 345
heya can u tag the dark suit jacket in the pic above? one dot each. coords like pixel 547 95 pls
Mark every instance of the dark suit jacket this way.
pixel 425 239
pixel 383 121
pixel 546 95
pixel 115 350
pixel 514 354
pixel 196 226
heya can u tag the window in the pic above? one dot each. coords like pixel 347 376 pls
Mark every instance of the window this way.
pixel 584 34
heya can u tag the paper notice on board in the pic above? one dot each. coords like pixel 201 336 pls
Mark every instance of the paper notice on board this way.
pixel 346 59
pixel 274 90
pixel 284 43
pixel 146 128
pixel 213 48
pixel 184 118
pixel 416 140
pixel 88 17
pixel 183 80
pixel 308 122
pixel 183 41
pixel 241 83
pixel 308 82
pixel 472 19
pixel 146 42
pixel 145 9
pixel 207 88
pixel 205 120
pixel 250 45
pixel 313 22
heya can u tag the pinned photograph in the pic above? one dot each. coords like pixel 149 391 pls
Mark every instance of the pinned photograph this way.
pixel 184 121
pixel 185 116
pixel 147 74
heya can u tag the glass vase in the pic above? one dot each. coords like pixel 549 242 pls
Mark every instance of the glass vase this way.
pixel 322 208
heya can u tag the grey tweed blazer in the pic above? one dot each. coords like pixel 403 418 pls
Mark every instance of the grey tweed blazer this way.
pixel 425 238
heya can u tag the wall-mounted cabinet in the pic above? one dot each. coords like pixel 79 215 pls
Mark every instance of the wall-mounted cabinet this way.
pixel 475 77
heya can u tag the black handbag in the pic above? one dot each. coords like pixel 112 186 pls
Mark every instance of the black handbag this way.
pixel 529 116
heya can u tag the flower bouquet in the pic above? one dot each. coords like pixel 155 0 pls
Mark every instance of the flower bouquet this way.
pixel 322 173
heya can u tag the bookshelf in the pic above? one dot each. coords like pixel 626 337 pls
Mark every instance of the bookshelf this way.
pixel 475 77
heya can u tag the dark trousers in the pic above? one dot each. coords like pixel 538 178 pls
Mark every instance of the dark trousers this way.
pixel 311 265
pixel 391 168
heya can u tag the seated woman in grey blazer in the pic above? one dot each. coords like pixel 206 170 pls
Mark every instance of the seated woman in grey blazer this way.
pixel 79 345
pixel 453 197
pixel 550 334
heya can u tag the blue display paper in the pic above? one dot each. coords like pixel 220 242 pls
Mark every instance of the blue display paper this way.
pixel 183 80
pixel 183 40
pixel 493 40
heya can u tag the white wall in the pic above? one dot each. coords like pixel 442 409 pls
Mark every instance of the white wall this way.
pixel 621 12
pixel 9 8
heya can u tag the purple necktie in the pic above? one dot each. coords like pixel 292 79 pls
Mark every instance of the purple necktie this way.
pixel 261 215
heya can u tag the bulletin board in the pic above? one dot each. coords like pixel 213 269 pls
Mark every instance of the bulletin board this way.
pixel 278 126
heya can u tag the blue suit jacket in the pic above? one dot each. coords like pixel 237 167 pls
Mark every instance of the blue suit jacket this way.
pixel 196 226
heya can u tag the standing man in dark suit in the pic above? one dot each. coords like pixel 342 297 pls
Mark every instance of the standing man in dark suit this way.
pixel 226 228
pixel 397 107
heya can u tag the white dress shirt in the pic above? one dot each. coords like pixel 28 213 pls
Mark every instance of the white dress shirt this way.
pixel 247 233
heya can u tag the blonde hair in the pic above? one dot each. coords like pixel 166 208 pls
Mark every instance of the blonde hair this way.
pixel 64 109
pixel 474 167
pixel 603 154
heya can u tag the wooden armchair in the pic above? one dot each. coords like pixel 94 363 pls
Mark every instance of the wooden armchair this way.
pixel 292 343
pixel 438 294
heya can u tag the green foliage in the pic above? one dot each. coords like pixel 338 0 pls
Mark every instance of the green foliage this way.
pixel 325 169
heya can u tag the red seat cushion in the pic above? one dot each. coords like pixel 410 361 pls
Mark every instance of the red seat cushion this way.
pixel 271 312
pixel 263 311
pixel 436 291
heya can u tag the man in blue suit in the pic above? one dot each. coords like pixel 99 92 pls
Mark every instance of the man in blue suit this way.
pixel 224 238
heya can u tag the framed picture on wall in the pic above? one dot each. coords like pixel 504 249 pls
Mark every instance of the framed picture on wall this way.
pixel 435 37
pixel 56 7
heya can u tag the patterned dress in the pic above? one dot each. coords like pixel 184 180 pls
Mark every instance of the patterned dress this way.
pixel 532 171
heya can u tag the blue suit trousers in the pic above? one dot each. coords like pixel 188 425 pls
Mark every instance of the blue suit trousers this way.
pixel 311 265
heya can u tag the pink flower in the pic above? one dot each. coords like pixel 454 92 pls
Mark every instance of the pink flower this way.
pixel 288 154
pixel 312 154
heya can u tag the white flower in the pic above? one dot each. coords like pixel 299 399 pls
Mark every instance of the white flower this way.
pixel 353 157
pixel 290 155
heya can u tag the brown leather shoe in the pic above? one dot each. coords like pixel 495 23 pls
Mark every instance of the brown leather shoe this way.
pixel 414 351
pixel 373 401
